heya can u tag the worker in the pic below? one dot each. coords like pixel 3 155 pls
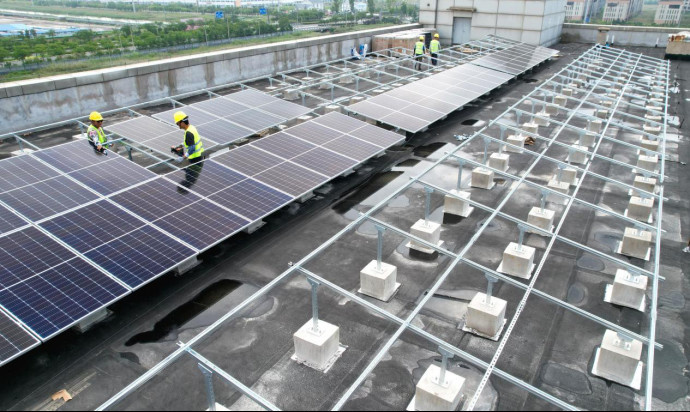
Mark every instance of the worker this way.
pixel 191 175
pixel 192 148
pixel 96 135
pixel 419 52
pixel 434 48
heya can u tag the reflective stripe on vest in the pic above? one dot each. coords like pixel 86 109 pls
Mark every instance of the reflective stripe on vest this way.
pixel 419 48
pixel 198 145
pixel 101 133
pixel 435 46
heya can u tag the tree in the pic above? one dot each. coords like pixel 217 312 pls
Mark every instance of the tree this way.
pixel 21 52
pixel 370 6
pixel 336 5
pixel 284 24
pixel 51 33
pixel 352 6
pixel 403 8
pixel 84 36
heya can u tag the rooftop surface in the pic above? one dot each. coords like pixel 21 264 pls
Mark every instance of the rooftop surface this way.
pixel 550 348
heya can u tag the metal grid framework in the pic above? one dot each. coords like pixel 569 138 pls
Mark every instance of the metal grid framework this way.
pixel 379 70
pixel 593 74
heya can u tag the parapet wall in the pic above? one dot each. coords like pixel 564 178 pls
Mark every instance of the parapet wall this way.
pixel 622 35
pixel 36 102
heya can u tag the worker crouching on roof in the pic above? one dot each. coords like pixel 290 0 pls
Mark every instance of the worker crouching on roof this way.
pixel 434 48
pixel 419 52
pixel 192 147
pixel 95 133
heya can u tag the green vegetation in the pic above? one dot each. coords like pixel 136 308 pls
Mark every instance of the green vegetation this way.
pixel 645 18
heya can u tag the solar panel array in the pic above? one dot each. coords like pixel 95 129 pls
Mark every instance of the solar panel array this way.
pixel 220 120
pixel 80 230
pixel 415 106
pixel 517 59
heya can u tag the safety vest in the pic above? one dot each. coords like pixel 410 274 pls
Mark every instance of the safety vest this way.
pixel 435 46
pixel 198 145
pixel 101 133
pixel 419 48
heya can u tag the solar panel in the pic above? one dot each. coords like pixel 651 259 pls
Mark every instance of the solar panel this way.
pixel 372 109
pixel 251 98
pixel 516 59
pixel 72 156
pixel 14 340
pixel 285 109
pixel 424 113
pixel 141 129
pixel 314 133
pixel 220 107
pixel 283 145
pixel 140 256
pixel 251 199
pixel 353 148
pixel 112 176
pixel 389 102
pixel 9 221
pixel 378 136
pixel 22 171
pixel 205 178
pixel 155 199
pixel 291 179
pixel 223 132
pixel 202 224
pixel 196 116
pixel 339 122
pixel 325 162
pixel 255 120
pixel 48 198
pixel 162 144
pixel 91 226
pixel 26 253
pixel 248 160
pixel 60 297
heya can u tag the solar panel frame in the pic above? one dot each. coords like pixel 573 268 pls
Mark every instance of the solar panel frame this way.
pixel 205 178
pixel 73 156
pixel 285 109
pixel 163 144
pixel 339 122
pixel 251 98
pixel 353 148
pixel 155 199
pixel 314 133
pixel 283 145
pixel 196 116
pixel 223 132
pixel 378 136
pixel 248 160
pixel 141 129
pixel 20 171
pixel 14 339
pixel 255 119
pixel 112 176
pixel 251 199
pixel 10 221
pixel 220 107
pixel 292 179
pixel 325 161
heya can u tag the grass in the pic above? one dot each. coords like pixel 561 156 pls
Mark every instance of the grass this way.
pixel 105 62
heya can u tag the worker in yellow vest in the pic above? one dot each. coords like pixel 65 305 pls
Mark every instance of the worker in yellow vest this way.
pixel 192 148
pixel 419 52
pixel 434 48
pixel 95 133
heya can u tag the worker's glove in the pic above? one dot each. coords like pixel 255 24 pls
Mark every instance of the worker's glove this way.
pixel 179 159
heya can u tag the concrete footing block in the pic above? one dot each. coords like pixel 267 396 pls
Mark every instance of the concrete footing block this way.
pixel 602 114
pixel 636 243
pixel 650 144
pixel 595 126
pixel 291 94
pixel 432 395
pixel 568 92
pixel 379 284
pixel 647 184
pixel 653 117
pixel 317 349
pixel 542 119
pixel 187 265
pixel 484 317
pixel 518 262
pixel 499 161
pixel 482 178
pixel 569 175
pixel 91 320
pixel 303 119
pixel 561 187
pixel 619 361
pixel 560 100
pixel 542 219
pixel 356 99
pixel 428 231
pixel 578 157
pixel 655 130
pixel 517 140
pixel 648 163
pixel 332 108
pixel 552 110
pixel 458 207
pixel 530 127
pixel 588 139
pixel 640 209
pixel 627 290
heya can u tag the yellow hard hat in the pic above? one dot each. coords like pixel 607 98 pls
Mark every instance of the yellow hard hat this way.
pixel 421 37
pixel 95 117
pixel 436 36
pixel 179 116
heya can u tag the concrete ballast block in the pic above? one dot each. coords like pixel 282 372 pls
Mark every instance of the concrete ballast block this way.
pixel 640 208
pixel 568 175
pixel 588 139
pixel 517 140
pixel 379 284
pixel 636 243
pixel 530 127
pixel 618 360
pixel 595 126
pixel 455 206
pixel 542 119
pixel 499 161
pixel 486 317
pixel 628 290
pixel 568 92
pixel 560 100
pixel 482 178
pixel 428 231
pixel 650 144
pixel 651 129
pixel 518 263
pixel 647 184
pixel 649 163
pixel 542 219
pixel 562 187
pixel 602 114
pixel 431 395
pixel 314 348
pixel 578 156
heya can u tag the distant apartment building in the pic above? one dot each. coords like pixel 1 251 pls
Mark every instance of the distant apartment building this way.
pixel 686 5
pixel 578 10
pixel 669 12
pixel 622 10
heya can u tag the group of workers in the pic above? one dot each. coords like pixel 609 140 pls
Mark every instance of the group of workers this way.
pixel 420 50
pixel 192 148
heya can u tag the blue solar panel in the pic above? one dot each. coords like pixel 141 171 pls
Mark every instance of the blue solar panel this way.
pixel 22 171
pixel 25 253
pixel 325 162
pixel 72 156
pixel 48 198
pixel 205 178
pixel 251 199
pixel 202 224
pixel 283 145
pixel 248 160
pixel 223 132
pixel 9 221
pixel 292 179
pixel 93 225
pixel 113 176
pixel 60 296
pixel 155 199
pixel 140 256
pixel 14 340
pixel 314 133
pixel 353 148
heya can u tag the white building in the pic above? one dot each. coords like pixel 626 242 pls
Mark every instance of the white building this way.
pixel 459 21
pixel 575 10
pixel 686 5
pixel 622 10
pixel 669 12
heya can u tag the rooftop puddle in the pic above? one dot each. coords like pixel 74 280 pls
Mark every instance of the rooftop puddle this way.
pixel 428 150
pixel 185 313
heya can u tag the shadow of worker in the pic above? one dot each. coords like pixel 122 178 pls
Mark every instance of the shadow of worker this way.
pixel 191 176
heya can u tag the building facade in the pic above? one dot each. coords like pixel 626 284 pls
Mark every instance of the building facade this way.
pixel 669 12
pixel 686 5
pixel 622 10
pixel 459 21
pixel 575 10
